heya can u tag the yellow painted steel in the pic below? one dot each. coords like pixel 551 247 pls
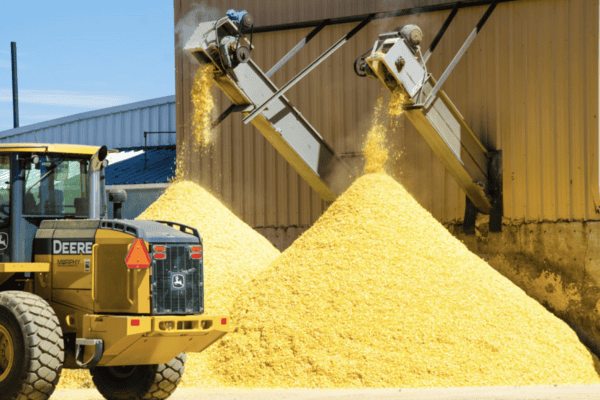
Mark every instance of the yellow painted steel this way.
pixel 49 148
pixel 135 340
pixel 11 268
pixel 43 280
pixel 118 289
pixel 108 286
pixel 76 298
pixel 7 353
pixel 77 286
pixel 69 272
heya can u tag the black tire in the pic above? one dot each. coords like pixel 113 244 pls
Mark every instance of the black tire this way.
pixel 139 382
pixel 30 328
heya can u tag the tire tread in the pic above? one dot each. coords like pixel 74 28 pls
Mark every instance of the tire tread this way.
pixel 167 378
pixel 153 382
pixel 43 342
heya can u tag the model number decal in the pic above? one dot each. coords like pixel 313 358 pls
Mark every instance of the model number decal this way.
pixel 62 247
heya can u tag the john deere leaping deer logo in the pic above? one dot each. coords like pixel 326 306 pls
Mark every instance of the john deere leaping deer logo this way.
pixel 3 241
pixel 177 281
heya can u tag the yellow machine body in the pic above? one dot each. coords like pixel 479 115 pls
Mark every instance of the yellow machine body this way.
pixel 97 297
pixel 79 267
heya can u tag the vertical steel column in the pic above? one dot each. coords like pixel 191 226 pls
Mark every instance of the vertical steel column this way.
pixel 13 52
pixel 17 230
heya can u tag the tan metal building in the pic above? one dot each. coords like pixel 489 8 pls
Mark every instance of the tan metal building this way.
pixel 528 86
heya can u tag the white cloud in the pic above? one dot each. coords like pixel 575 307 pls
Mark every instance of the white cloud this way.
pixel 66 98
pixel 5 64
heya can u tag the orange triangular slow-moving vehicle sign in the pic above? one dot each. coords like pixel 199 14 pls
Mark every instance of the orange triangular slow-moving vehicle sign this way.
pixel 138 256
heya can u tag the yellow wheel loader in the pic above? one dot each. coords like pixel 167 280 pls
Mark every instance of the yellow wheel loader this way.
pixel 122 298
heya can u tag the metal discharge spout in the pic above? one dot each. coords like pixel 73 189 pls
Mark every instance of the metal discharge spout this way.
pixel 264 105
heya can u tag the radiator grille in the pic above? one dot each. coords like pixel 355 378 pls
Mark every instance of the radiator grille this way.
pixel 177 282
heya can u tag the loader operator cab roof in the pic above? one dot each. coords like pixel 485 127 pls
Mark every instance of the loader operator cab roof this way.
pixel 49 148
pixel 56 184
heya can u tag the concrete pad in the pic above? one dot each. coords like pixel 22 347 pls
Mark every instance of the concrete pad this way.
pixel 575 392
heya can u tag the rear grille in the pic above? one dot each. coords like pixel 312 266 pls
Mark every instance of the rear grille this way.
pixel 177 281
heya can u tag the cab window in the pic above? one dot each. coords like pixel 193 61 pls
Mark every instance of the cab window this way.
pixel 56 186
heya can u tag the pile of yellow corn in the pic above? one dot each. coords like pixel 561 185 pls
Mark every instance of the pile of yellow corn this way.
pixel 75 379
pixel 376 294
pixel 233 252
pixel 379 294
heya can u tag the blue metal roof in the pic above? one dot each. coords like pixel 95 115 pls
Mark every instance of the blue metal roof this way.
pixel 155 165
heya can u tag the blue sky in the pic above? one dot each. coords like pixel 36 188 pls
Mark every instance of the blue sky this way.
pixel 76 56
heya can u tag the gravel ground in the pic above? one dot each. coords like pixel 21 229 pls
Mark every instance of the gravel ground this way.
pixel 575 392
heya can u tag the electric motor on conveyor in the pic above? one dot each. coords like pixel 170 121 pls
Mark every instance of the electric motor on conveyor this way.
pixel 230 46
pixel 396 60
pixel 247 86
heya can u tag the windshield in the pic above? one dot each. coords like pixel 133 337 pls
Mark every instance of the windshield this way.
pixel 57 186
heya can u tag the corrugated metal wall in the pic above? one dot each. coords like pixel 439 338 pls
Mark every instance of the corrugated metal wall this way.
pixel 528 86
pixel 279 12
pixel 116 127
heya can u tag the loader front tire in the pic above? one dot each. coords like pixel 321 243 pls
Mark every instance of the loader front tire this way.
pixel 31 347
pixel 139 382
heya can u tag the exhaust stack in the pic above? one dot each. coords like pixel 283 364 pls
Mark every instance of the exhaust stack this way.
pixel 95 198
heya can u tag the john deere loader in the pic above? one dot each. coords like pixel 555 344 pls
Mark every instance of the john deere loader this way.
pixel 122 298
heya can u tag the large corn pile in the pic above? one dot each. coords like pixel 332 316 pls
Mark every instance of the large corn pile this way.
pixel 379 294
pixel 204 104
pixel 233 251
pixel 376 294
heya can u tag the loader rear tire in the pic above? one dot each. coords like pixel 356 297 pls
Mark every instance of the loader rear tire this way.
pixel 31 347
pixel 139 382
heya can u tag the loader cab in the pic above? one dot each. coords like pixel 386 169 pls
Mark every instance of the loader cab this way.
pixel 39 182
